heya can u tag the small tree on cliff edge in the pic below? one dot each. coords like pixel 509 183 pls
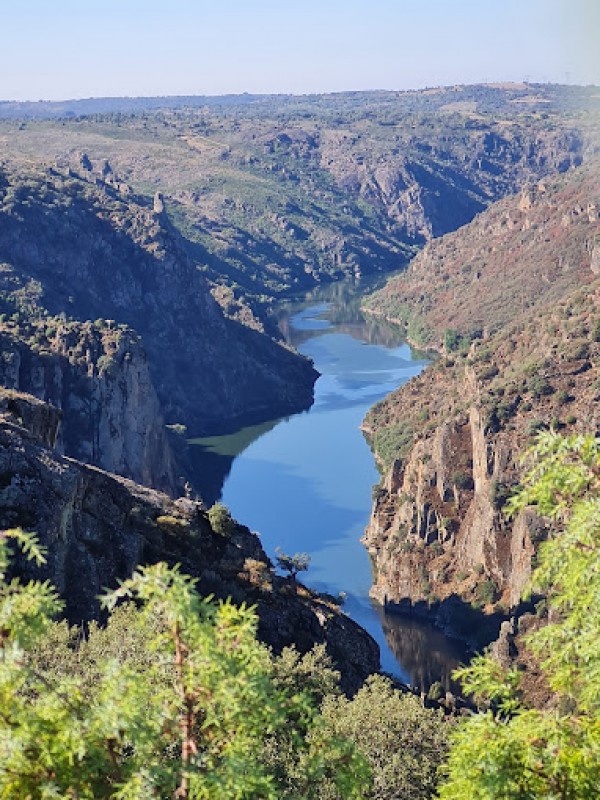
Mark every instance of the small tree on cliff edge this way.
pixel 299 562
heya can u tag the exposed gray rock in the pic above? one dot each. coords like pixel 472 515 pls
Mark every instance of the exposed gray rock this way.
pixel 159 203
pixel 595 262
pixel 99 378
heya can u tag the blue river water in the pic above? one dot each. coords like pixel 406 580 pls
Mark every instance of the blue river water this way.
pixel 304 483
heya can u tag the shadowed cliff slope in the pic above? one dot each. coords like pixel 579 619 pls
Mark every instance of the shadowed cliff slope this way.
pixel 83 250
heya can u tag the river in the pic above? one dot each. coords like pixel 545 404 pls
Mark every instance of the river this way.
pixel 304 483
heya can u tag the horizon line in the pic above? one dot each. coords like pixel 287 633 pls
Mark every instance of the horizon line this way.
pixel 491 84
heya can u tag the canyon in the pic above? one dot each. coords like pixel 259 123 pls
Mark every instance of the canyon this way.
pixel 97 527
pixel 143 254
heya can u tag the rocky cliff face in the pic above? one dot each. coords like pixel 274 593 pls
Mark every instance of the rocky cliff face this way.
pixel 97 375
pixel 450 441
pixel 98 527
pixel 438 534
pixel 85 248
pixel 430 185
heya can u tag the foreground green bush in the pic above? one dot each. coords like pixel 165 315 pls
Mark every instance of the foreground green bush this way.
pixel 403 742
pixel 176 699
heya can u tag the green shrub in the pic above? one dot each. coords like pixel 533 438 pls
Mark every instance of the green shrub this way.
pixel 377 492
pixel 393 442
pixel 402 741
pixel 299 562
pixel 437 548
pixel 534 426
pixel 563 397
pixel 436 691
pixel 175 697
pixel 487 591
pixel 221 520
pixel 462 480
pixel 452 340
pixel 539 386
pixel 488 373
pixel 171 523
pixel 499 493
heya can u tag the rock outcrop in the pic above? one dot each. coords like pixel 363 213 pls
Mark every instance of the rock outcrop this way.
pixel 428 187
pixel 438 530
pixel 97 375
pixel 97 527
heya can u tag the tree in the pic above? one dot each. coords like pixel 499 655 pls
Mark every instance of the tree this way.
pixel 299 562
pixel 180 706
pixel 221 520
pixel 403 742
pixel 512 751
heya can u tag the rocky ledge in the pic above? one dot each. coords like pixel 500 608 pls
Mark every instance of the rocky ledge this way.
pixel 97 375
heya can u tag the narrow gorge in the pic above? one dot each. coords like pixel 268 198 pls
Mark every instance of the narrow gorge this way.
pixel 144 261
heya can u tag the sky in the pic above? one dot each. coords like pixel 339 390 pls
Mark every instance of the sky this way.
pixel 64 49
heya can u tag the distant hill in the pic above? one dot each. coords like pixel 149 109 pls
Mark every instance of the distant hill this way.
pixel 280 193
pixel 482 97
pixel 64 109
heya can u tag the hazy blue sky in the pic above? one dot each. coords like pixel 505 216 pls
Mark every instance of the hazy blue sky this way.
pixel 58 49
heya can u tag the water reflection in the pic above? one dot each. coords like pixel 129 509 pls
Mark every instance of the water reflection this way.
pixel 211 457
pixel 305 482
pixel 426 655
pixel 340 302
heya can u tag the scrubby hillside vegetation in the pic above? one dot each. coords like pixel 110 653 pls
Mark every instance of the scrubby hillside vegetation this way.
pixel 284 192
pixel 526 251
